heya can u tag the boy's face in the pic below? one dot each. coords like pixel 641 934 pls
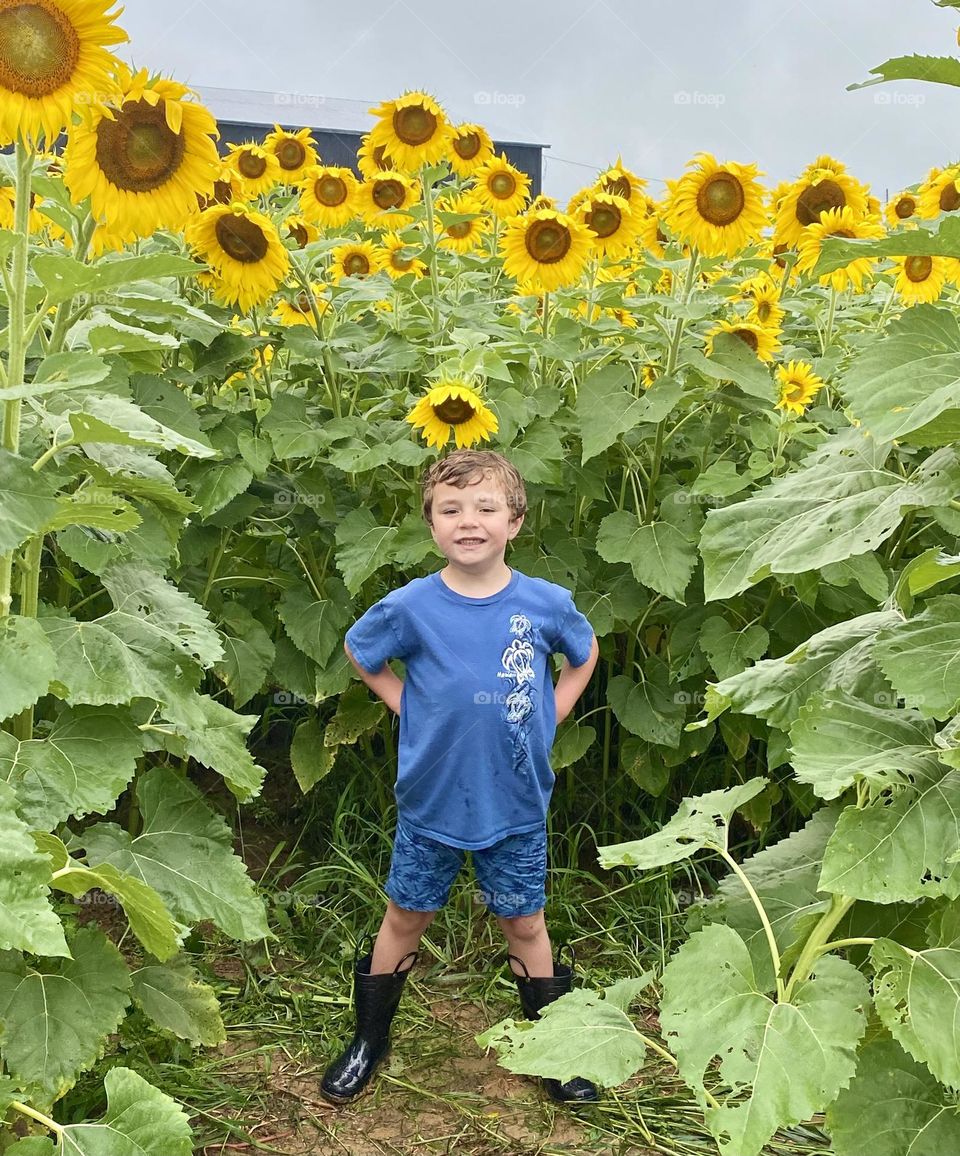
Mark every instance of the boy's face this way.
pixel 472 525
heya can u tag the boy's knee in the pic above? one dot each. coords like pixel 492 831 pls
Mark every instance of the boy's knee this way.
pixel 405 921
pixel 522 927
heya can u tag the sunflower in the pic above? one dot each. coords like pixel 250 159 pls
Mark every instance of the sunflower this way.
pixel 920 279
pixel 413 129
pixel 541 201
pixel 545 250
pixel 501 188
pixel 226 189
pixel 144 162
pixel 837 223
pixel 817 192
pixel 300 231
pixel 298 310
pixel 388 190
pixel 759 338
pixel 649 374
pixel 620 182
pixel 257 169
pixel 452 405
pixel 357 259
pixel 765 309
pixel 826 163
pixel 717 207
pixel 243 249
pixel 651 236
pixel 470 147
pixel 398 259
pixel 372 158
pixel 612 225
pixel 328 196
pixel 52 54
pixel 294 152
pixel 901 208
pixel 939 193
pixel 798 386
pixel 36 220
pixel 461 236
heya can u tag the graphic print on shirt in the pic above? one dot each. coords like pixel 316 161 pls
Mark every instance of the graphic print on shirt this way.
pixel 517 663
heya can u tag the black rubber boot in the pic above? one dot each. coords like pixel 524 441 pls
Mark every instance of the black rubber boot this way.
pixel 536 992
pixel 376 999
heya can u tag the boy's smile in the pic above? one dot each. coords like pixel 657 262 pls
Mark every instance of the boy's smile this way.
pixel 472 526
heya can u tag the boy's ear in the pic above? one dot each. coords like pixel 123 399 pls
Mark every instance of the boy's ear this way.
pixel 515 525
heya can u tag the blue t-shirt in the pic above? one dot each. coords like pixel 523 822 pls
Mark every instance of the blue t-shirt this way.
pixel 477 714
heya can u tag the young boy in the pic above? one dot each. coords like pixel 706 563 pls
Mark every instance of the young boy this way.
pixel 478 712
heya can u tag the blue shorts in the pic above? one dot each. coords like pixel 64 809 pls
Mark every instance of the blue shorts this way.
pixel 511 875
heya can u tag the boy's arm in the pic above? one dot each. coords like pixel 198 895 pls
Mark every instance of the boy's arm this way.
pixel 572 682
pixel 384 683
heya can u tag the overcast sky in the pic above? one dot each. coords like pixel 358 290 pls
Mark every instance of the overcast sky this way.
pixel 756 81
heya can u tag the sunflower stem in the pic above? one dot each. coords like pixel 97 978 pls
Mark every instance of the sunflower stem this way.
pixel 29 601
pixel 17 348
pixel 434 275
pixel 828 328
pixel 545 327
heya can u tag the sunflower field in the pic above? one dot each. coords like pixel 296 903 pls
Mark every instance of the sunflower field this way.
pixel 736 410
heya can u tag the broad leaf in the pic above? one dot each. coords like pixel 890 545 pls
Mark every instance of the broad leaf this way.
pixel 699 824
pixel 918 998
pixel 310 758
pixel 27 921
pixel 356 713
pixel 27 664
pixel 184 852
pixel 651 709
pixel 216 736
pixel 140 1120
pixel 730 650
pixel 315 625
pixel 659 554
pixel 116 421
pixel 57 1014
pixel 893 1107
pixel 175 998
pixel 606 408
pixel 248 653
pixel 571 743
pixel 363 547
pixel 28 500
pixel 919 657
pixel 790 1058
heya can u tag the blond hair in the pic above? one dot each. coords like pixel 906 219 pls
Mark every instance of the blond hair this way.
pixel 465 466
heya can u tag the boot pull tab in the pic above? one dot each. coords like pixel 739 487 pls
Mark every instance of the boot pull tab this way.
pixel 358 953
pixel 397 970
pixel 526 973
pixel 573 955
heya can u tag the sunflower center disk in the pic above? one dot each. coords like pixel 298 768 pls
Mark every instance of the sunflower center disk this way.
pixel 817 199
pixel 291 154
pixel 299 234
pixel 748 338
pixel 949 198
pixel 251 166
pixel 604 221
pixel 387 194
pixel 356 265
pixel 398 261
pixel 467 146
pixel 454 410
pixel 138 151
pixel 618 187
pixel 302 301
pixel 547 241
pixel 763 310
pixel 720 201
pixel 414 125
pixel 460 229
pixel 241 238
pixel 330 191
pixel 39 49
pixel 918 268
pixel 906 207
pixel 502 185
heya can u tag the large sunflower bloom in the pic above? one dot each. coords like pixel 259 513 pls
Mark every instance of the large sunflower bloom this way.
pixel 470 147
pixel 385 191
pixel 461 236
pixel 413 129
pixel 901 208
pixel 298 310
pixel 357 259
pixel 145 162
pixel 257 168
pixel 612 224
pixel 759 338
pixel 243 249
pixel 620 182
pixel 294 152
pixel 545 250
pixel 398 258
pixel 52 53
pixel 837 223
pixel 939 193
pixel 717 207
pixel 452 405
pixel 328 196
pixel 817 192
pixel 798 386
pixel 500 188
pixel 920 279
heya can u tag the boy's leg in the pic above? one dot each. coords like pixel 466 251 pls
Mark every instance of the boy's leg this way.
pixel 528 939
pixel 399 934
pixel 512 876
